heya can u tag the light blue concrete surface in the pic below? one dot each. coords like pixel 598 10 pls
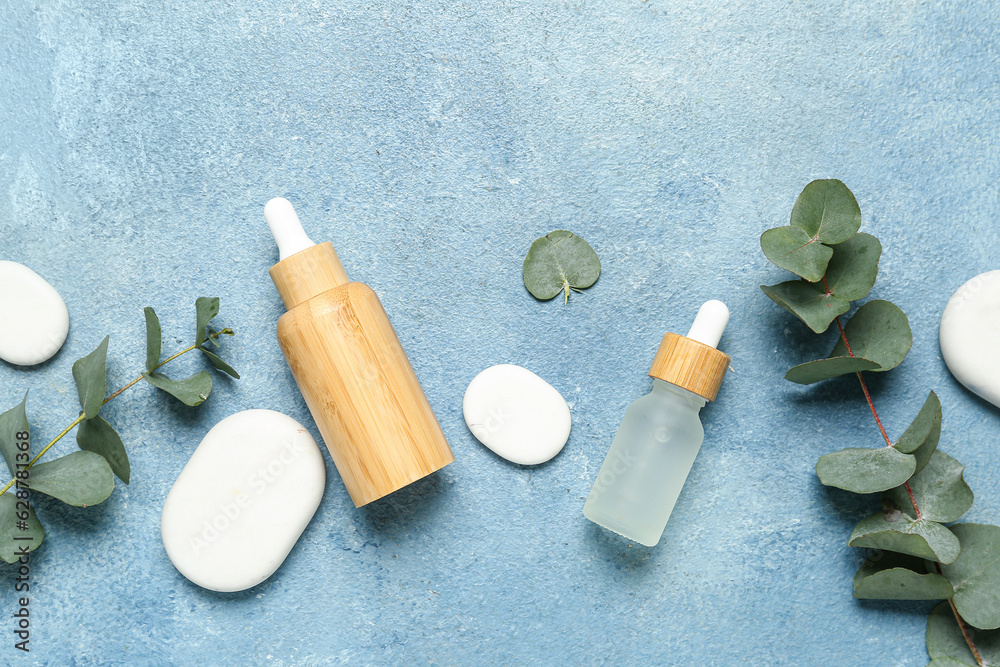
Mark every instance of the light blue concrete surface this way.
pixel 432 142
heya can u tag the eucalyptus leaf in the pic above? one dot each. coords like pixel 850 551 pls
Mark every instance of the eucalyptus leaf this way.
pixel 219 363
pixel 939 490
pixel 17 533
pixel 80 478
pixel 207 308
pixel 98 436
pixel 824 369
pixel 558 262
pixel 893 530
pixel 792 249
pixel 154 338
pixel 976 575
pixel 91 376
pixel 12 423
pixel 924 452
pixel 854 267
pixel 920 429
pixel 879 331
pixel 827 209
pixel 807 301
pixel 947 646
pixel 189 391
pixel 893 576
pixel 863 470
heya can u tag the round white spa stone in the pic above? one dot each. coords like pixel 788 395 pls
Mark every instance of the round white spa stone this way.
pixel 242 501
pixel 517 414
pixel 970 335
pixel 34 316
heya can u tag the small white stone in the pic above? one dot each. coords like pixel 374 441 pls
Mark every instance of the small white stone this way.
pixel 243 500
pixel 34 316
pixel 517 414
pixel 970 335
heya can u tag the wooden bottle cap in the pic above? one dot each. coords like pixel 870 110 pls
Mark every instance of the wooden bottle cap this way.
pixel 307 273
pixel 691 365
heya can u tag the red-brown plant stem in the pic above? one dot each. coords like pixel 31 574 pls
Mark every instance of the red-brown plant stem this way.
pixel 909 491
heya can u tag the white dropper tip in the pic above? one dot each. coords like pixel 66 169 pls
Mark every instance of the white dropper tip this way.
pixel 286 227
pixel 709 323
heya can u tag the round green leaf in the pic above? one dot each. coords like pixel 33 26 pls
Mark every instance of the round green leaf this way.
pixel 854 267
pixel 828 210
pixel 98 436
pixel 920 429
pixel 947 646
pixel 976 574
pixel 558 262
pixel 892 576
pixel 893 530
pixel 862 470
pixel 15 532
pixel 793 249
pixel 939 490
pixel 880 332
pixel 81 479
pixel 824 369
pixel 90 374
pixel 189 391
pixel 807 301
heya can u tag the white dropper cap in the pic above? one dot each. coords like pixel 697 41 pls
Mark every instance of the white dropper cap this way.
pixel 286 227
pixel 709 323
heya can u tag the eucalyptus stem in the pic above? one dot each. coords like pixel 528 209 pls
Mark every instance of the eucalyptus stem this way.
pixel 80 418
pixel 913 499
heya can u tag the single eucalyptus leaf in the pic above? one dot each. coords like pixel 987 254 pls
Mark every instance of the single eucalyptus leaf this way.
pixel 558 262
pixel 924 452
pixel 947 646
pixel 921 427
pixel 939 490
pixel 794 250
pixel 154 338
pixel 894 576
pixel 81 478
pixel 827 210
pixel 976 575
pixel 98 436
pixel 824 369
pixel 892 530
pixel 854 267
pixel 14 430
pixel 19 528
pixel 879 331
pixel 808 302
pixel 862 470
pixel 189 391
pixel 91 376
pixel 220 364
pixel 207 308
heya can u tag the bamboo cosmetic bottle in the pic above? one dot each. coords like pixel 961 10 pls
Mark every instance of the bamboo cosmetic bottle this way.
pixel 351 368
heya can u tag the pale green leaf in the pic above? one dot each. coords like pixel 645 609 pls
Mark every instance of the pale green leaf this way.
pixel 190 391
pixel 863 470
pixel 893 530
pixel 921 427
pixel 892 576
pixel 792 249
pixel 879 331
pixel 827 210
pixel 939 490
pixel 97 435
pixel 808 302
pixel 558 262
pixel 154 338
pixel 852 270
pixel 947 646
pixel 824 369
pixel 19 528
pixel 207 308
pixel 14 430
pixel 924 452
pixel 81 478
pixel 90 374
pixel 976 574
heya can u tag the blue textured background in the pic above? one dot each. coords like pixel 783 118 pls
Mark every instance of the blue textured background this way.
pixel 432 142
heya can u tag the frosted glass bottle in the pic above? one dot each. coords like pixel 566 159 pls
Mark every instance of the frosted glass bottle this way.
pixel 661 433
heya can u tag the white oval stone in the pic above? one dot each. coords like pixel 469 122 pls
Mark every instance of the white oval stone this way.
pixel 34 316
pixel 243 499
pixel 970 335
pixel 517 414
